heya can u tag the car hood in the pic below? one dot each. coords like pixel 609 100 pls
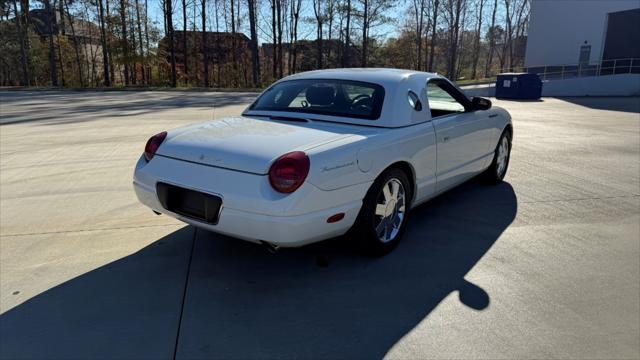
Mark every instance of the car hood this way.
pixel 245 143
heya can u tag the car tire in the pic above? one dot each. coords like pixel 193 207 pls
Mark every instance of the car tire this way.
pixel 383 217
pixel 501 156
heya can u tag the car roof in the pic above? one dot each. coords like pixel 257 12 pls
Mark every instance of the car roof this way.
pixel 397 83
pixel 381 76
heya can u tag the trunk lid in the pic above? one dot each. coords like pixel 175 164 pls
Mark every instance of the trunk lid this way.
pixel 246 144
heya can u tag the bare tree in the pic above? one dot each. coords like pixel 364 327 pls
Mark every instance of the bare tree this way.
pixel 434 24
pixel 506 45
pixel 279 28
pixel 319 16
pixel 418 12
pixel 61 31
pixel 125 46
pixel 476 44
pixel 331 6
pixel 105 46
pixel 255 61
pixel 522 17
pixel 169 21
pixel 365 27
pixel 24 60
pixel 52 54
pixel 275 40
pixel 296 5
pixel 233 44
pixel 139 25
pixel 76 45
pixel 185 52
pixel 492 40
pixel 146 35
pixel 347 37
pixel 453 11
pixel 205 46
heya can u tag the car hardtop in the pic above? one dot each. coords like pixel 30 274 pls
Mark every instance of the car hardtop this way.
pixel 397 84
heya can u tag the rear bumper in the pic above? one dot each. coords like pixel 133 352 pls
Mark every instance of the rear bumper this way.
pixel 279 228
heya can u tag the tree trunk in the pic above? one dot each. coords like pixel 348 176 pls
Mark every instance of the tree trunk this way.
pixel 418 7
pixel 519 28
pixel 61 31
pixel 185 52
pixel 112 70
pixel 24 61
pixel 52 52
pixel 172 49
pixel 476 45
pixel 75 44
pixel 454 13
pixel 365 26
pixel 205 53
pixel 426 41
pixel 508 42
pixel 294 46
pixel 275 40
pixel 330 7
pixel 61 60
pixel 146 35
pixel 346 60
pixel 26 19
pixel 233 45
pixel 492 40
pixel 144 76
pixel 125 46
pixel 133 69
pixel 432 45
pixel 317 9
pixel 255 64
pixel 105 49
pixel 279 25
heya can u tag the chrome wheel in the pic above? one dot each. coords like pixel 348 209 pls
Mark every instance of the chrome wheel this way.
pixel 502 157
pixel 390 210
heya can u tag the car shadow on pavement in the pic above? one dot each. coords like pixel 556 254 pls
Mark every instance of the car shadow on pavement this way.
pixel 319 301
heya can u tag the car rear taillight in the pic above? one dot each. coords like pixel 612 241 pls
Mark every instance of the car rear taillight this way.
pixel 153 144
pixel 289 171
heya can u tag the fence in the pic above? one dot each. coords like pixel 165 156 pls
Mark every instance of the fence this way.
pixel 606 67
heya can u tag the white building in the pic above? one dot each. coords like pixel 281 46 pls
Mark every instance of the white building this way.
pixel 572 32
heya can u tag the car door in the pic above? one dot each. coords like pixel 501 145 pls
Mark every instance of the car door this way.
pixel 462 136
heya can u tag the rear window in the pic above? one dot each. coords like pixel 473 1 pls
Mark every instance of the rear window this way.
pixel 345 98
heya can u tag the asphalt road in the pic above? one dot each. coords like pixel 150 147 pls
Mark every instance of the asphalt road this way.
pixel 546 265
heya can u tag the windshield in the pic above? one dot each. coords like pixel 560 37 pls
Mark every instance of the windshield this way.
pixel 326 97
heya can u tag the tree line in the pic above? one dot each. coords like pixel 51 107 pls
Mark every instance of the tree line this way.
pixel 250 43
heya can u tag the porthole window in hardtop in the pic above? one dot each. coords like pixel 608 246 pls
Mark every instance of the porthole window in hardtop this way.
pixel 345 98
pixel 414 101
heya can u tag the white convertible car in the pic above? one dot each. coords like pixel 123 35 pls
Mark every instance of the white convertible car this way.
pixel 325 152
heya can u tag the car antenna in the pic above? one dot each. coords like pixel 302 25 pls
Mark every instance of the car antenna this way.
pixel 213 110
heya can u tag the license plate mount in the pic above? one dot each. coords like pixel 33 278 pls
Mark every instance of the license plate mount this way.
pixel 193 204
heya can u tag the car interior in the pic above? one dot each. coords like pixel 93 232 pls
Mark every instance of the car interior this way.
pixel 332 97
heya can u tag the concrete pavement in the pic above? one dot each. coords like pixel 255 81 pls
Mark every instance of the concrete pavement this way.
pixel 544 265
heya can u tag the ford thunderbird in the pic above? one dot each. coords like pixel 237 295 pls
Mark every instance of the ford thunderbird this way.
pixel 324 153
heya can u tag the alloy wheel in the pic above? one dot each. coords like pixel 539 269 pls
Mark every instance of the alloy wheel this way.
pixel 390 210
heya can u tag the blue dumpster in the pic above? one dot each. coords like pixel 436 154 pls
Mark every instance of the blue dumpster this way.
pixel 518 86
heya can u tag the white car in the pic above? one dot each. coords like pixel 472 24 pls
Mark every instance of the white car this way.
pixel 324 152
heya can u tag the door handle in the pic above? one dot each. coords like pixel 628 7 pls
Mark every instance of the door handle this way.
pixel 445 139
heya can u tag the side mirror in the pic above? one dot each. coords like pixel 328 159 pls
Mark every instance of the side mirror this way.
pixel 479 103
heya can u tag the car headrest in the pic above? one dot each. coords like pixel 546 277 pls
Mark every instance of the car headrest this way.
pixel 321 95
